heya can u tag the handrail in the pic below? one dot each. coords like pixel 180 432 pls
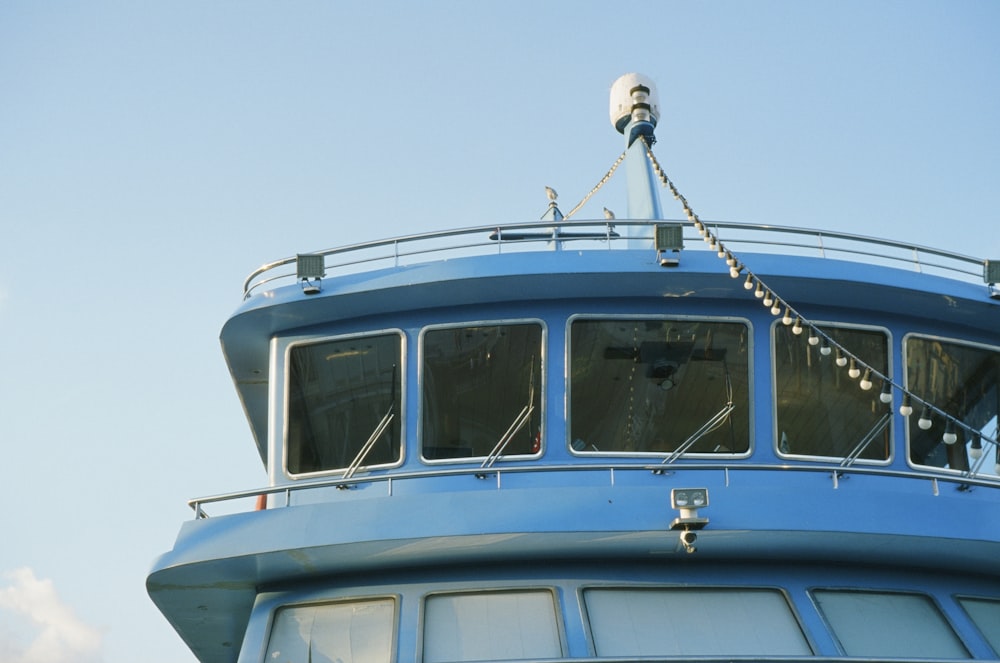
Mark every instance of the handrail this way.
pixel 838 472
pixel 546 234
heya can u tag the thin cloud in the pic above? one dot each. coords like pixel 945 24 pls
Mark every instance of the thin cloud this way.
pixel 54 634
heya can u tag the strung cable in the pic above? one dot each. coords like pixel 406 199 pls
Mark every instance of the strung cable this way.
pixel 799 323
pixel 603 181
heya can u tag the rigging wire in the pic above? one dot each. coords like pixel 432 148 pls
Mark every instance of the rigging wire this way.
pixel 603 181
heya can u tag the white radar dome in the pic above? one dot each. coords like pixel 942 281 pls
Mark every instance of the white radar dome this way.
pixel 633 96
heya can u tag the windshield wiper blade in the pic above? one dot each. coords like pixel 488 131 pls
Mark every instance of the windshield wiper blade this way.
pixel 868 438
pixel 519 421
pixel 367 447
pixel 377 433
pixel 714 421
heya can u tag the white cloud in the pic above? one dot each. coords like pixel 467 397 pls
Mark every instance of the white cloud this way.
pixel 53 634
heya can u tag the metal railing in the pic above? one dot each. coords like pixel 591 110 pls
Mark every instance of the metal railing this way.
pixel 961 482
pixel 612 235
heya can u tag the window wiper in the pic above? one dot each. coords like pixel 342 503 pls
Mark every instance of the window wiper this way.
pixel 377 433
pixel 869 437
pixel 519 421
pixel 714 422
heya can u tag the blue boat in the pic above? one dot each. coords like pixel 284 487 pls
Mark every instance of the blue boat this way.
pixel 609 439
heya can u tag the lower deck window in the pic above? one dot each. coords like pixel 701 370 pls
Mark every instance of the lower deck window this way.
pixel 825 406
pixel 342 632
pixel 693 622
pixel 501 625
pixel 962 380
pixel 659 386
pixel 481 390
pixel 888 625
pixel 985 614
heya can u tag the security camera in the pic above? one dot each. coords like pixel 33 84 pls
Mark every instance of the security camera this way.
pixel 687 540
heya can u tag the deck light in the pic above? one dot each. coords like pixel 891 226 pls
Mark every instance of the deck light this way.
pixel 925 419
pixel 688 501
pixel 866 380
pixel 949 436
pixel 886 395
pixel 906 408
pixel 310 268
pixel 669 239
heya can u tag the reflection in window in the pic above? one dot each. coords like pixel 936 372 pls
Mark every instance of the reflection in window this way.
pixel 347 632
pixel 482 390
pixel 821 409
pixel 342 395
pixel 693 622
pixel 508 626
pixel 962 381
pixel 659 386
pixel 985 614
pixel 890 625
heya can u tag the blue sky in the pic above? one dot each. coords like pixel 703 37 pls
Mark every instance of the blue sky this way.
pixel 154 153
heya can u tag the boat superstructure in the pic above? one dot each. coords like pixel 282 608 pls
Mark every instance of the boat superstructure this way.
pixel 607 440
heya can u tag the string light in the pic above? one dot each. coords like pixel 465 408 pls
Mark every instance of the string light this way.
pixel 949 436
pixel 924 422
pixel 866 380
pixel 771 300
pixel 906 408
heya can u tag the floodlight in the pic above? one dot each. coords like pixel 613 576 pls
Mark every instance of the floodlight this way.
pixel 688 501
pixel 669 237
pixel 309 269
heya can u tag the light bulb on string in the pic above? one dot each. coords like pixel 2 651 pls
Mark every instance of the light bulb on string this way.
pixel 759 292
pixel 949 436
pixel 768 299
pixel 886 395
pixel 924 422
pixel 722 251
pixel 776 307
pixel 797 327
pixel 976 446
pixel 825 349
pixel 748 284
pixel 787 318
pixel 841 359
pixel 906 407
pixel 730 259
pixel 854 371
pixel 866 380
pixel 813 338
pixel 734 271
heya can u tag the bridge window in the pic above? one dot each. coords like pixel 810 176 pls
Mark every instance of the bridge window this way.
pixel 482 391
pixel 821 409
pixel 349 631
pixel 962 380
pixel 491 626
pixel 344 404
pixel 659 386
pixel 693 622
pixel 888 625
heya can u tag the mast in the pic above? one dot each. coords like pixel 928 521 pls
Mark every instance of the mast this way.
pixel 635 109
